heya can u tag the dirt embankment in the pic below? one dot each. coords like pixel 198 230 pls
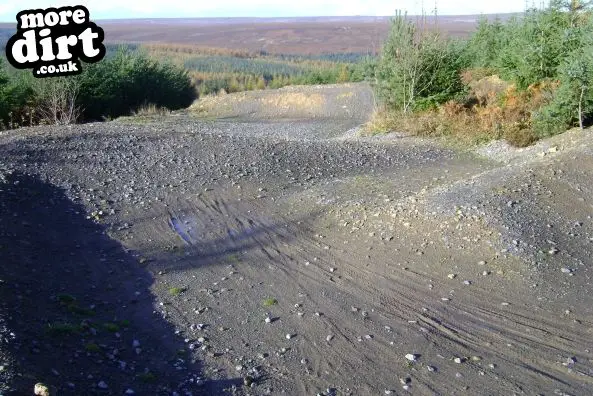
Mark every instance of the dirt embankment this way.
pixel 273 251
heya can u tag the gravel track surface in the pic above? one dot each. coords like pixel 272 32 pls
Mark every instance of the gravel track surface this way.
pixel 255 245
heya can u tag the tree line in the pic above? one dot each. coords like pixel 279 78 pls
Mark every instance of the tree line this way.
pixel 219 70
pixel 522 79
pixel 120 84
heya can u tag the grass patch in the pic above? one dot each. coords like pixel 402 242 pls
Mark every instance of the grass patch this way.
pixel 147 378
pixel 66 298
pixel 75 309
pixel 135 120
pixel 418 123
pixel 176 291
pixel 61 329
pixel 151 110
pixel 91 347
pixel 111 327
pixel 269 302
pixel 145 115
pixel 71 304
pixel 124 323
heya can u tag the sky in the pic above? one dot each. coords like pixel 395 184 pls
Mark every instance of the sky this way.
pixel 112 9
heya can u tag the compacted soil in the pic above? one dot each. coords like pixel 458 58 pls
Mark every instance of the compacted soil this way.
pixel 256 244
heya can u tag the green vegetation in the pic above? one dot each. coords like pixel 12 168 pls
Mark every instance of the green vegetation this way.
pixel 521 80
pixel 176 291
pixel 418 69
pixel 61 329
pixel 93 348
pixel 147 377
pixel 130 80
pixel 124 82
pixel 66 298
pixel 75 309
pixel 124 323
pixel 16 92
pixel 111 327
pixel 71 304
pixel 269 302
pixel 216 70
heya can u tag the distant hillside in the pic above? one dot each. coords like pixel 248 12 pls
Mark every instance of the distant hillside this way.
pixel 301 35
pixel 273 35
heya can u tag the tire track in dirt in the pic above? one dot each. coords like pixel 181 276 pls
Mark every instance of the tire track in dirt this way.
pixel 458 329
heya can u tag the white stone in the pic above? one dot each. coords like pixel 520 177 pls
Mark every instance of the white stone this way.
pixel 411 357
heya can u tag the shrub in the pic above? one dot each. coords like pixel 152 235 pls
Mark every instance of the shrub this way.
pixel 320 77
pixel 572 102
pixel 16 95
pixel 127 81
pixel 531 48
pixel 365 70
pixel 485 90
pixel 418 69
pixel 119 85
pixel 485 45
pixel 56 100
pixel 520 135
pixel 525 79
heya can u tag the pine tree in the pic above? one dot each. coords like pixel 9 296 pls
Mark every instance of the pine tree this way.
pixel 249 85
pixel 234 85
pixel 344 74
pixel 261 84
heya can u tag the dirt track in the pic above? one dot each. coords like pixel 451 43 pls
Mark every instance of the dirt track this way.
pixel 372 248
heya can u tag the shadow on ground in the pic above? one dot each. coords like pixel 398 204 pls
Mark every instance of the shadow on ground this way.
pixel 246 232
pixel 80 305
